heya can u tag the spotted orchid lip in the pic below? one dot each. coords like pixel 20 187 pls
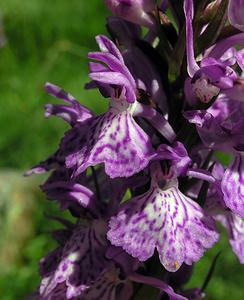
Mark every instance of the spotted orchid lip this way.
pixel 86 245
pixel 166 220
pixel 233 186
pixel 117 141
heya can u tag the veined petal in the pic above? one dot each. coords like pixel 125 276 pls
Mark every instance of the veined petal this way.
pixel 105 286
pixel 82 261
pixel 166 220
pixel 233 186
pixel 97 67
pixel 59 93
pixel 218 73
pixel 49 263
pixel 221 126
pixel 116 140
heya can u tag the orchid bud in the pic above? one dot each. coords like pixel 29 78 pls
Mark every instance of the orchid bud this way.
pixel 136 11
pixel 236 13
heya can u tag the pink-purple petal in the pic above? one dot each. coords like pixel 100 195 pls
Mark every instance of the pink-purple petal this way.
pixel 233 186
pixel 117 141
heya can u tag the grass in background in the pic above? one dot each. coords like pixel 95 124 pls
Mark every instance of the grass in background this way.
pixel 45 42
pixel 49 41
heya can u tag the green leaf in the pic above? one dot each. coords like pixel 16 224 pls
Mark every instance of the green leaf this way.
pixel 210 272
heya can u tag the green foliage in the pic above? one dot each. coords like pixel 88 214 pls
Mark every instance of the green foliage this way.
pixel 45 42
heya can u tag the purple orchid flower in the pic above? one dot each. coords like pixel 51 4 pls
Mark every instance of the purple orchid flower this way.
pixel 221 126
pixel 134 176
pixel 85 249
pixel 144 72
pixel 165 219
pixel 113 138
pixel 69 280
pixel 114 68
pixel 214 73
pixel 84 266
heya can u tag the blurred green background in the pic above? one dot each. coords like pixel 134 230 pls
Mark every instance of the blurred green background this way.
pixel 49 41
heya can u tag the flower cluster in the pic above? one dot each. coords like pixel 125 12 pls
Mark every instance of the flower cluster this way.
pixel 143 179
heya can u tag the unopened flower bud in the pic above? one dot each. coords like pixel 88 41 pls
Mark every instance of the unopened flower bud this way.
pixel 136 11
pixel 236 13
